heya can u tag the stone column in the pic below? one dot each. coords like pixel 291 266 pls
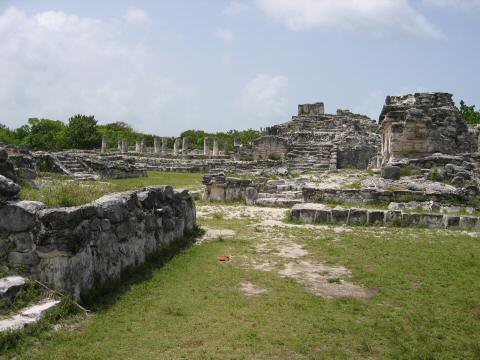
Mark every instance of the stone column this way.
pixel 104 144
pixel 237 142
pixel 143 146
pixel 125 146
pixel 120 145
pixel 156 145
pixel 206 146
pixel 137 146
pixel 185 146
pixel 176 146
pixel 164 145
pixel 216 145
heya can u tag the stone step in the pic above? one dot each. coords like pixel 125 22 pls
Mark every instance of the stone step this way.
pixel 28 315
pixel 10 286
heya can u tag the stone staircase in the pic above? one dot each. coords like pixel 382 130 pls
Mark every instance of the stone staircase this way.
pixel 311 157
pixel 73 167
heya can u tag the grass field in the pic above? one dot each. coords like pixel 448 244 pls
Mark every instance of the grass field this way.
pixel 58 190
pixel 424 301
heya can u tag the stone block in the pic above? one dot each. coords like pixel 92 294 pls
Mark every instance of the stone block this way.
pixel 431 220
pixel 15 218
pixel 393 217
pixel 340 216
pixel 451 221
pixel 251 194
pixel 357 217
pixel 411 219
pixel 375 217
pixel 391 172
pixel 468 222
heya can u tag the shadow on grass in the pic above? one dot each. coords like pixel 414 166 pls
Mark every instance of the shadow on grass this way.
pixel 100 298
pixel 104 294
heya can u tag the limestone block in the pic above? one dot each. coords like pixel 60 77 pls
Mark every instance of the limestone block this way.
pixel 375 217
pixel 431 220
pixel 339 216
pixel 393 217
pixel 391 172
pixel 468 222
pixel 357 217
pixel 451 221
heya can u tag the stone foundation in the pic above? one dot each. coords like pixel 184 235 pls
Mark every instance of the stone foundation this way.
pixel 74 249
pixel 321 214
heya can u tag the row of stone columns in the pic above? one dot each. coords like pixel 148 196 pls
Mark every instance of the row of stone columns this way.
pixel 206 147
pixel 140 146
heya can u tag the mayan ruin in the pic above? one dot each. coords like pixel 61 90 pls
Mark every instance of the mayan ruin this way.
pixel 250 179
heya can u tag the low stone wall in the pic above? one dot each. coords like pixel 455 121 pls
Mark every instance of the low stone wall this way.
pixel 73 249
pixel 365 196
pixel 218 187
pixel 321 214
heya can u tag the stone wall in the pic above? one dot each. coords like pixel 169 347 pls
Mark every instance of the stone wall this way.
pixel 218 187
pixel 269 147
pixel 74 249
pixel 419 125
pixel 365 196
pixel 321 214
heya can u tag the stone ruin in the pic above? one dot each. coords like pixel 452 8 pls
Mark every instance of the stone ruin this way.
pixel 77 248
pixel 313 140
pixel 422 124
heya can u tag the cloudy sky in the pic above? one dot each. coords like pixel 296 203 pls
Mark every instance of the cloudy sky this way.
pixel 166 66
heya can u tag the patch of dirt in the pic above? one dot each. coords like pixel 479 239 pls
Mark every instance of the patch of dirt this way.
pixel 215 233
pixel 276 253
pixel 325 280
pixel 249 289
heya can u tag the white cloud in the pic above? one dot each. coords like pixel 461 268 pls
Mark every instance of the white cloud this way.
pixel 264 97
pixel 376 17
pixel 136 15
pixel 223 34
pixel 55 65
pixel 458 4
pixel 235 8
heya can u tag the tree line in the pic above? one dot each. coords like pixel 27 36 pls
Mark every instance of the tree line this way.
pixel 84 132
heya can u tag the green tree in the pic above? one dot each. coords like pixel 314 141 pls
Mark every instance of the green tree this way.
pixel 46 134
pixel 6 135
pixel 82 132
pixel 469 115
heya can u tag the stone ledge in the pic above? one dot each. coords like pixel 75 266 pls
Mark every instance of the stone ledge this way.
pixel 311 213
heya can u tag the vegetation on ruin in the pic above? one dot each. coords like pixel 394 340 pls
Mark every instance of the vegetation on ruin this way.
pixel 58 190
pixel 192 307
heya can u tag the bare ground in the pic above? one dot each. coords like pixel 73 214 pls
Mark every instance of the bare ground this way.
pixel 276 253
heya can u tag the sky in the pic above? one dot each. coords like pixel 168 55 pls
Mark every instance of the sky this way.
pixel 167 66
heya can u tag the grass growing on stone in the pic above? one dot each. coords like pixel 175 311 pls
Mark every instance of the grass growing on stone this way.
pixel 60 191
pixel 426 306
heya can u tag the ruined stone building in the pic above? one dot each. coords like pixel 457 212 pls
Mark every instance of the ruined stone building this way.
pixel 422 124
pixel 315 140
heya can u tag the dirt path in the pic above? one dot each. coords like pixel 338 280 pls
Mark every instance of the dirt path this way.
pixel 275 252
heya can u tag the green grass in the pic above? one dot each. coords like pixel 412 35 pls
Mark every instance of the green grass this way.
pixel 60 191
pixel 427 305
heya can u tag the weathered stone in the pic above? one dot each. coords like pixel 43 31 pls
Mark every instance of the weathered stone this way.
pixel 468 222
pixel 16 217
pixel 419 125
pixel 391 172
pixel 451 221
pixel 375 217
pixel 10 286
pixel 251 194
pixel 3 155
pixel 357 217
pixel 339 216
pixel 8 189
pixel 393 217
pixel 431 220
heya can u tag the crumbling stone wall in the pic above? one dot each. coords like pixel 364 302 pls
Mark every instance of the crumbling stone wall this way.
pixel 73 249
pixel 269 147
pixel 419 125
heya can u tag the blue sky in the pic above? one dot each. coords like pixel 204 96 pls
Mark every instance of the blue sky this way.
pixel 170 65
